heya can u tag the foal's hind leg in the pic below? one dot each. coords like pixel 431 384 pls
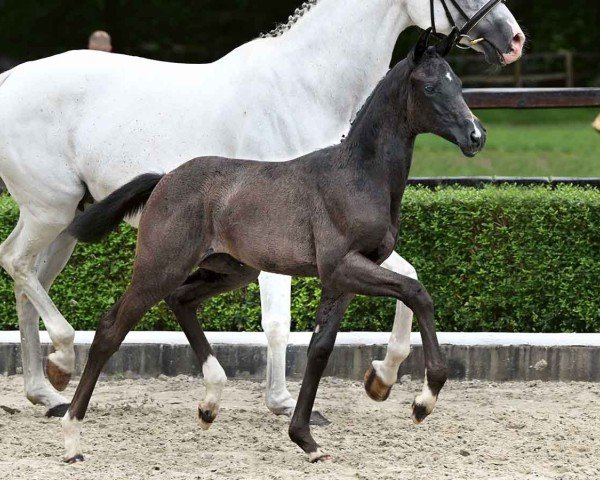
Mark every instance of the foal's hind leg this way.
pixel 167 251
pixel 184 302
pixel 114 326
pixel 382 376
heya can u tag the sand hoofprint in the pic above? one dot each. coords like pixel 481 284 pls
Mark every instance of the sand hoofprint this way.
pixel 139 429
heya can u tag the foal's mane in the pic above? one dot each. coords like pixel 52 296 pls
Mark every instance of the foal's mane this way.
pixel 400 70
pixel 292 20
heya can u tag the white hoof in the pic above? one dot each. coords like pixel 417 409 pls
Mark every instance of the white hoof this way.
pixel 285 405
pixel 319 457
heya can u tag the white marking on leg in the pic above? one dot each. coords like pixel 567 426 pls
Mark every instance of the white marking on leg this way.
pixel 318 454
pixel 215 379
pixel 72 434
pixel 426 399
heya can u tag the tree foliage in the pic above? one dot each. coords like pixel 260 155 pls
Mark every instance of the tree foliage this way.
pixel 208 29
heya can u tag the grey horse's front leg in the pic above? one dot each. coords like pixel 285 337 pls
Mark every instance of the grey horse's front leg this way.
pixel 329 316
pixel 275 297
pixel 383 374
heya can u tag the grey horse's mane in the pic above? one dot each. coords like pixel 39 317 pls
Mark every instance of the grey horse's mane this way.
pixel 279 30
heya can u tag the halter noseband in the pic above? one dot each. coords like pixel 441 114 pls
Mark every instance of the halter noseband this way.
pixel 471 22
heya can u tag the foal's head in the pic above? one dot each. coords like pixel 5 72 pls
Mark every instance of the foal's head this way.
pixel 435 102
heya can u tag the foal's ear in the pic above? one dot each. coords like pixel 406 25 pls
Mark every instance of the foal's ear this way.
pixel 443 48
pixel 421 45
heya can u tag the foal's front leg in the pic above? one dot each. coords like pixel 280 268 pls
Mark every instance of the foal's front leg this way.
pixel 329 316
pixel 357 274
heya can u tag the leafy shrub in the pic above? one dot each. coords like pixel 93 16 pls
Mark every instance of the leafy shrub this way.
pixel 495 259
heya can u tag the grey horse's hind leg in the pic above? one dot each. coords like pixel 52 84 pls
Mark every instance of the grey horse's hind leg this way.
pixel 49 263
pixel 20 255
pixel 184 302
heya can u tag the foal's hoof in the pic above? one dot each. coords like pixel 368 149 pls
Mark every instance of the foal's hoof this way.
pixel 206 417
pixel 75 459
pixel 420 412
pixel 319 457
pixel 318 420
pixel 57 377
pixel 58 412
pixel 375 388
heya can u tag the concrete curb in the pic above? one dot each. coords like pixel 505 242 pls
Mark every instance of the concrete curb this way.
pixel 481 356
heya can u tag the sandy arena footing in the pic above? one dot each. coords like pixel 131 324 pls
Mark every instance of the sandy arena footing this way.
pixel 141 429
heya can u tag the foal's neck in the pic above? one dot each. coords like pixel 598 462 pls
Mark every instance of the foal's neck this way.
pixel 381 141
pixel 341 48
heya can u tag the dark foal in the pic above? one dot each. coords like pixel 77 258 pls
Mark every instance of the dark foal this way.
pixel 218 222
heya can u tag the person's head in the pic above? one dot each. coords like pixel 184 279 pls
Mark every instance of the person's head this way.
pixel 100 40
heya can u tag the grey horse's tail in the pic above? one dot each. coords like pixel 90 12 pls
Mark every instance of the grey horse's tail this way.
pixel 103 217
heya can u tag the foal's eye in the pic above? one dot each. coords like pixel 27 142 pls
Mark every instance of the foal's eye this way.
pixel 429 88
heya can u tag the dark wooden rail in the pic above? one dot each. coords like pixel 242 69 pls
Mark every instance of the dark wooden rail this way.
pixel 532 97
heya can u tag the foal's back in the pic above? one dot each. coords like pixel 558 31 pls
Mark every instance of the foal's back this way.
pixel 260 213
pixel 267 215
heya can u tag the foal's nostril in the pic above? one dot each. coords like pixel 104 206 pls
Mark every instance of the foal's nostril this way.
pixel 476 137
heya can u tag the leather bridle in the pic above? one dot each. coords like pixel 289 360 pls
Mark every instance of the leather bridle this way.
pixel 471 22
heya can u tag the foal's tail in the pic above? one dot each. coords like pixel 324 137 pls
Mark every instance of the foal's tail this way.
pixel 103 217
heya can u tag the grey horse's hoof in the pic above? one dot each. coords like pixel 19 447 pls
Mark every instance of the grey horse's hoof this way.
pixel 57 376
pixel 375 388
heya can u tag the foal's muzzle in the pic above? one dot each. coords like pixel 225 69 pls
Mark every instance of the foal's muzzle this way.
pixel 475 138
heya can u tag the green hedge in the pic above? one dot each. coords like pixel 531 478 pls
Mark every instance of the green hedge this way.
pixel 496 259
